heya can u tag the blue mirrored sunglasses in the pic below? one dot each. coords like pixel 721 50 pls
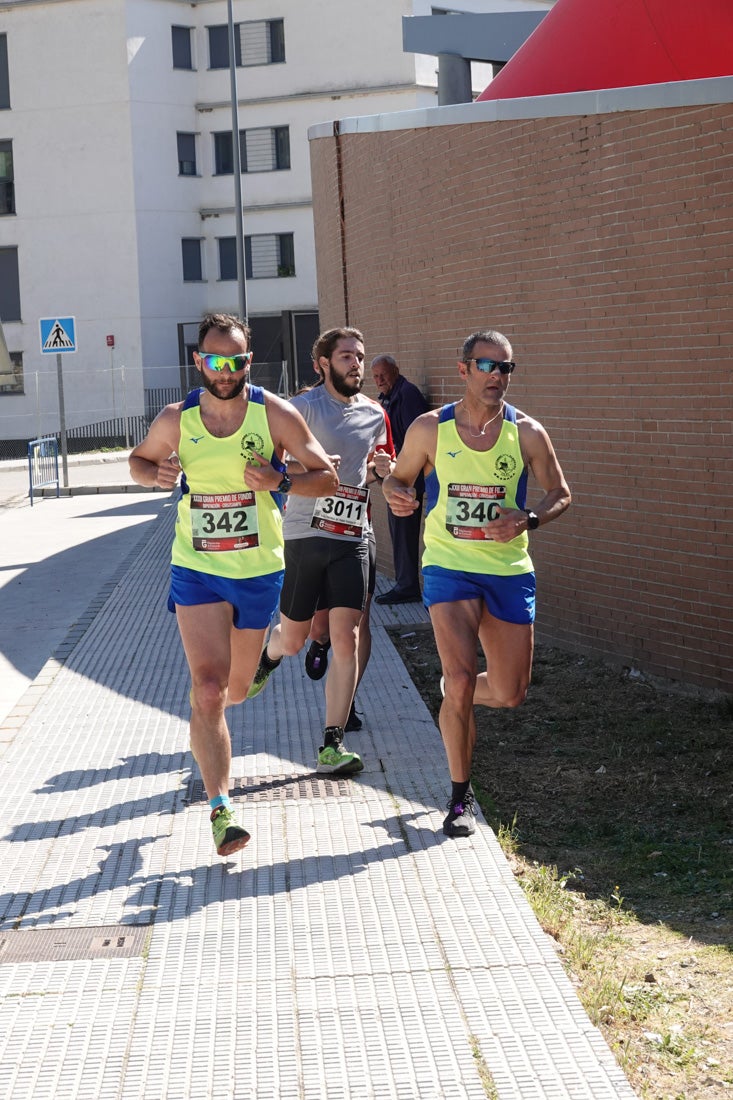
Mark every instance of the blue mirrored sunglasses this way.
pixel 233 363
pixel 489 365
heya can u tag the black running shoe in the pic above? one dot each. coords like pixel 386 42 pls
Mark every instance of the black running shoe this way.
pixel 264 671
pixel 461 817
pixel 353 722
pixel 316 659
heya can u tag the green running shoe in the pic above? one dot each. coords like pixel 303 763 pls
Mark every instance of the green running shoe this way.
pixel 334 758
pixel 265 669
pixel 228 836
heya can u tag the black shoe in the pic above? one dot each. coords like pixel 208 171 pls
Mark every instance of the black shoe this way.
pixel 395 596
pixel 316 659
pixel 353 722
pixel 264 671
pixel 461 818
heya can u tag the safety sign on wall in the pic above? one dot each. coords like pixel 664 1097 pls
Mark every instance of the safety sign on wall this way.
pixel 58 334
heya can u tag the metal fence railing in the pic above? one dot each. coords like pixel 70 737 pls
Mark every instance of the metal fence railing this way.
pixel 157 399
pixel 119 432
pixel 43 464
pixel 116 433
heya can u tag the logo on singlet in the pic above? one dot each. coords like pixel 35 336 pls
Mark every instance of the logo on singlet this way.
pixel 453 454
pixel 504 467
pixel 251 442
pixel 195 438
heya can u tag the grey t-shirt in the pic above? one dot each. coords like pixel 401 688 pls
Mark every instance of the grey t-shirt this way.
pixel 352 429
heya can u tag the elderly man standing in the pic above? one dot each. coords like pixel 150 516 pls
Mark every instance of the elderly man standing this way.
pixel 403 403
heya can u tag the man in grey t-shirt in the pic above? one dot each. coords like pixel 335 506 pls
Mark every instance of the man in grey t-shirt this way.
pixel 326 540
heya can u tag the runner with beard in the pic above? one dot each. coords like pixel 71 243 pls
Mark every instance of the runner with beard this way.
pixel 327 541
pixel 227 442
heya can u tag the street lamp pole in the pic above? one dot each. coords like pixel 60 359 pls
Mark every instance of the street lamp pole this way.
pixel 239 239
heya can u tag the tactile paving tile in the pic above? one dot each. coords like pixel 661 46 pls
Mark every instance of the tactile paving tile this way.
pixel 349 951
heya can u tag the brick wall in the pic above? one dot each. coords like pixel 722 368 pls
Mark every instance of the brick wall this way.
pixel 601 246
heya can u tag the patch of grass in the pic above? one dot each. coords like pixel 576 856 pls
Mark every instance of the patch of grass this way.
pixel 483 1070
pixel 546 891
pixel 612 798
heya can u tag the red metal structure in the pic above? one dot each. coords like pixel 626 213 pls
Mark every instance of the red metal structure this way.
pixel 584 45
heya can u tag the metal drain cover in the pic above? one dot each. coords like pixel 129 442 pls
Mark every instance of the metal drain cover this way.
pixel 114 941
pixel 280 788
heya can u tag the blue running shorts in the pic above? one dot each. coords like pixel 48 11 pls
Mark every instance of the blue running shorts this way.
pixel 254 599
pixel 511 599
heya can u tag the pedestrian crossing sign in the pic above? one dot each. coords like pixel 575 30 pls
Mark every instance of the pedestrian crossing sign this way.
pixel 58 335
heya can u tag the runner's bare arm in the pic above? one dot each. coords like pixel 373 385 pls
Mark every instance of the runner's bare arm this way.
pixel 382 459
pixel 295 467
pixel 154 462
pixel 379 465
pixel 541 458
pixel 315 477
pixel 539 455
pixel 417 454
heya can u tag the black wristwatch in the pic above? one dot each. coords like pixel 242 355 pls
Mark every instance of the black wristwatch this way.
pixel 285 485
pixel 533 520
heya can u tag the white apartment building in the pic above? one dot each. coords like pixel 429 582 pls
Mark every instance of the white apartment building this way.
pixel 117 201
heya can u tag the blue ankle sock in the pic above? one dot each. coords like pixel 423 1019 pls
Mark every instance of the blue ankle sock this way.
pixel 220 800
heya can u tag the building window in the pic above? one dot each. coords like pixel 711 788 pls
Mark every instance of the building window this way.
pixel 219 47
pixel 11 381
pixel 9 285
pixel 186 154
pixel 258 42
pixel 181 45
pixel 7 187
pixel 227 258
pixel 191 256
pixel 269 256
pixel 4 74
pixel 266 149
pixel 223 157
pixel 261 149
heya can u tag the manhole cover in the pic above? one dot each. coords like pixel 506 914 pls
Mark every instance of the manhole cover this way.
pixel 114 941
pixel 280 788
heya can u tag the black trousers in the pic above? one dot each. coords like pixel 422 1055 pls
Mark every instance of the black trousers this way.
pixel 405 534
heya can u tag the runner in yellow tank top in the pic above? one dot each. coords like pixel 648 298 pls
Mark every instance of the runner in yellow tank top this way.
pixel 227 443
pixel 478 578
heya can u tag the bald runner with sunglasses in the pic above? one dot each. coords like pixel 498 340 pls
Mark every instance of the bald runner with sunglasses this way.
pixel 478 577
pixel 227 441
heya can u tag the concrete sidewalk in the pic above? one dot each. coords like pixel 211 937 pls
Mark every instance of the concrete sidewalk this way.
pixel 350 951
pixel 59 556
